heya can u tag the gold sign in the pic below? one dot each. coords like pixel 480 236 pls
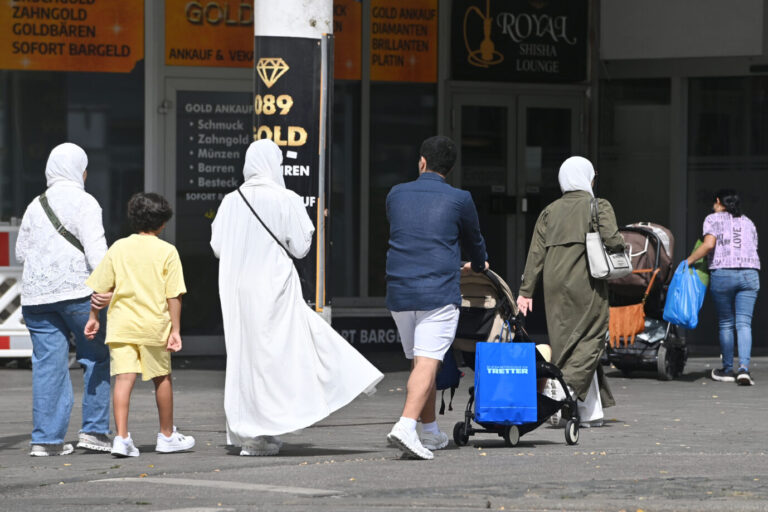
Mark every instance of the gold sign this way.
pixel 404 40
pixel 209 33
pixel 348 39
pixel 97 35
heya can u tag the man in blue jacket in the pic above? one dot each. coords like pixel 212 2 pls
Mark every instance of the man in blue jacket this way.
pixel 430 223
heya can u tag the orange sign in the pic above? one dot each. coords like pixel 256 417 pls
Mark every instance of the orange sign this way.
pixel 348 39
pixel 209 33
pixel 90 35
pixel 404 40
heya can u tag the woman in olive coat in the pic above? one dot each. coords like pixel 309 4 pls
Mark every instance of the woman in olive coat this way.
pixel 576 304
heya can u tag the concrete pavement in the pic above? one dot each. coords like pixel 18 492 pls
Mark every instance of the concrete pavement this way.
pixel 690 444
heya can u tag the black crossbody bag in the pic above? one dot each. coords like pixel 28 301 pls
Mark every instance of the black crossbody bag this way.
pixel 58 226
pixel 304 285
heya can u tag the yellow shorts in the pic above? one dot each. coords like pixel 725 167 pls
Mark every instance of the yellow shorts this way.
pixel 149 361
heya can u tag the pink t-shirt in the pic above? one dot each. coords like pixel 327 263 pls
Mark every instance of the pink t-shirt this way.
pixel 736 241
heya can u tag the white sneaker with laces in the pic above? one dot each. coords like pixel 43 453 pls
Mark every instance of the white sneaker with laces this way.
pixel 94 442
pixel 408 441
pixel 259 447
pixel 178 442
pixel 49 450
pixel 124 447
pixel 432 441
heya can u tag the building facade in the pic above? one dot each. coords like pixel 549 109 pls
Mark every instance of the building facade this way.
pixel 669 101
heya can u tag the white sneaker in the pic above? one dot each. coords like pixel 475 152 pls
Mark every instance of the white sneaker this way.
pixel 178 442
pixel 94 442
pixel 408 441
pixel 434 441
pixel 124 447
pixel 259 447
pixel 274 440
pixel 49 450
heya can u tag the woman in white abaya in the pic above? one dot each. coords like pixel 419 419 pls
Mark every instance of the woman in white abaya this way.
pixel 286 368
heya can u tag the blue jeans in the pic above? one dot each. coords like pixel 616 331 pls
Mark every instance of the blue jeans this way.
pixel 50 326
pixel 735 292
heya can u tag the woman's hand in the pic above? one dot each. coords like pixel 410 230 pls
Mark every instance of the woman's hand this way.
pixel 524 304
pixel 101 300
pixel 707 246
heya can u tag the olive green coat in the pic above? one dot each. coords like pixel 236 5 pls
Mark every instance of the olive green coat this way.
pixel 576 304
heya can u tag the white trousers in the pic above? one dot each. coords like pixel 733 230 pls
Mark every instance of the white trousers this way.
pixel 427 333
pixel 591 409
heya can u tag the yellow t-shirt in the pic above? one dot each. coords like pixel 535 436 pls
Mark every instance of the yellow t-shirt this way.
pixel 143 272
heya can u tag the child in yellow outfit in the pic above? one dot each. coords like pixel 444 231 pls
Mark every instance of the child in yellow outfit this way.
pixel 145 276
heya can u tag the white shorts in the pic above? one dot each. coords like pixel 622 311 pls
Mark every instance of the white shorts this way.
pixel 427 333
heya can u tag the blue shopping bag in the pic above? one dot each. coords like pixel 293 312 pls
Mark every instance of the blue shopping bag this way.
pixel 684 298
pixel 505 383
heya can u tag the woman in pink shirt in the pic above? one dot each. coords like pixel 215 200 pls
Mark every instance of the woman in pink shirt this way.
pixel 730 241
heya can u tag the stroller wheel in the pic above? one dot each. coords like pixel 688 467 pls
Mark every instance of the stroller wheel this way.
pixel 664 364
pixel 571 432
pixel 511 435
pixel 459 437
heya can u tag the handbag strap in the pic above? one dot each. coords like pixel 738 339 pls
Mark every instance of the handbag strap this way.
pixel 594 220
pixel 58 226
pixel 265 226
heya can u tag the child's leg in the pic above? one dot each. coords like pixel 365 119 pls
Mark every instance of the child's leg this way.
pixel 121 399
pixel 164 398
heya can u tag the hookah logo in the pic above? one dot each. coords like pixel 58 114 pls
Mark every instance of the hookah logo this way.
pixel 487 55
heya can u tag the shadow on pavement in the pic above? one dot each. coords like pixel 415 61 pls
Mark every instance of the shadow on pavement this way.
pixel 305 450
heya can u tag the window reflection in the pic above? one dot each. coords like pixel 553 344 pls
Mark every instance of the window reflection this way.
pixel 101 112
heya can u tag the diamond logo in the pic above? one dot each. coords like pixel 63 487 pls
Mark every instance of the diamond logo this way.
pixel 270 69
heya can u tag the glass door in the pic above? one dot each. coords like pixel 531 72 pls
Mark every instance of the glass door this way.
pixel 549 130
pixel 485 169
pixel 207 131
pixel 510 151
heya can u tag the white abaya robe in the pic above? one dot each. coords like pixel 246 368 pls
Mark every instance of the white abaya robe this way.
pixel 286 368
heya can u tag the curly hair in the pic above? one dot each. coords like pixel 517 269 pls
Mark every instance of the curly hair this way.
pixel 147 212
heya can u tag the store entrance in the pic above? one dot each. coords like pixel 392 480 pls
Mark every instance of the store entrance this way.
pixel 510 150
pixel 207 131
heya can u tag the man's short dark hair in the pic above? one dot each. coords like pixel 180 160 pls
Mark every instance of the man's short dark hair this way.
pixel 440 153
pixel 148 211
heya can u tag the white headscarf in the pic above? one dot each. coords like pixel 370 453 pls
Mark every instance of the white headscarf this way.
pixel 576 173
pixel 66 163
pixel 263 160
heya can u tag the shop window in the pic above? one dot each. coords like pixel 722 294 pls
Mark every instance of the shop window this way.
pixel 727 130
pixel 405 115
pixel 101 112
pixel 344 261
pixel 633 161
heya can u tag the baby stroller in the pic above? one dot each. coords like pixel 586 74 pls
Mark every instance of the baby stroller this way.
pixel 489 314
pixel 638 338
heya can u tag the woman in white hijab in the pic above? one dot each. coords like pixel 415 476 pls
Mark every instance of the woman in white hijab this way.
pixel 57 259
pixel 286 368
pixel 576 304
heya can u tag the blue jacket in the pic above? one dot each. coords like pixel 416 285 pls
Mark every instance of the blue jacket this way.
pixel 428 222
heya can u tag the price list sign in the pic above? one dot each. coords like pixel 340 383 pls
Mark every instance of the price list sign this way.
pixel 213 131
